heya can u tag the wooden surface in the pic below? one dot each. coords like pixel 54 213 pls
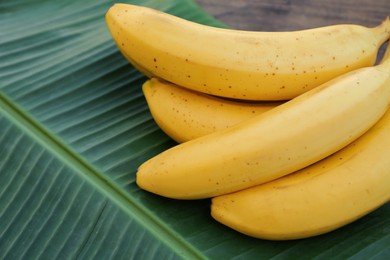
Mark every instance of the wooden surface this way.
pixel 283 15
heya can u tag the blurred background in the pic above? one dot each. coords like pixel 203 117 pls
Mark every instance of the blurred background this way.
pixel 281 15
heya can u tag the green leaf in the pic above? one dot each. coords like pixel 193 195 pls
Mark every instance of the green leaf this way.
pixel 75 127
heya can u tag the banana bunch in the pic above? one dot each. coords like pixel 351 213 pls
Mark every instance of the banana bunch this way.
pixel 307 163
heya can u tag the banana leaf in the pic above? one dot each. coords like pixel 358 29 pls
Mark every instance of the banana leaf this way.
pixel 74 127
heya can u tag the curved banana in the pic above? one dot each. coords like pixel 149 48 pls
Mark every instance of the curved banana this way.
pixel 240 64
pixel 273 144
pixel 184 114
pixel 318 199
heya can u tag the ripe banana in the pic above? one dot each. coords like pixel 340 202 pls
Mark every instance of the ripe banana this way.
pixel 318 199
pixel 184 114
pixel 240 64
pixel 273 144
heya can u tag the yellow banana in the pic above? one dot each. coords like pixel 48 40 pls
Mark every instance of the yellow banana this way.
pixel 240 64
pixel 317 199
pixel 273 144
pixel 184 114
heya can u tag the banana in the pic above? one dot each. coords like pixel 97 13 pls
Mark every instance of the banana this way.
pixel 273 144
pixel 241 64
pixel 184 114
pixel 318 199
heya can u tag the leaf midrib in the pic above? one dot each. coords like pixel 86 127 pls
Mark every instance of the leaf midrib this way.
pixel 88 172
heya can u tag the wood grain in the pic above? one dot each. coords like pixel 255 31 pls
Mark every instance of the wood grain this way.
pixel 284 15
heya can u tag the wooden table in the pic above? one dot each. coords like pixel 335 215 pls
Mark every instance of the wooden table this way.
pixel 283 15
